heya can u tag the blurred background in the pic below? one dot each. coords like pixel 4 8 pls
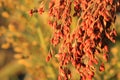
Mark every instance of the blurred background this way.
pixel 25 43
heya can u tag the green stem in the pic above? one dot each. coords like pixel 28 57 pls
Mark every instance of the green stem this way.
pixel 42 41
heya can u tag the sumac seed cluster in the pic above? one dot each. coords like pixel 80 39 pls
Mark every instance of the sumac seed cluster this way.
pixel 94 29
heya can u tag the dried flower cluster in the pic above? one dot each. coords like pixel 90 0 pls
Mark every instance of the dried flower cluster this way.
pixel 95 28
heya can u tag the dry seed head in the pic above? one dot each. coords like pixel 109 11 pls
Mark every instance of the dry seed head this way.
pixel 89 38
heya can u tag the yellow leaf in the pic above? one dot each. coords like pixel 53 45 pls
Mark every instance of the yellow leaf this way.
pixel 18 56
pixel 25 44
pixel 9 40
pixel 17 49
pixel 25 63
pixel 5 46
pixel 12 27
pixel 34 43
pixel 5 14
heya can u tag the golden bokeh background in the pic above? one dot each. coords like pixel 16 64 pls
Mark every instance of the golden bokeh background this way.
pixel 25 43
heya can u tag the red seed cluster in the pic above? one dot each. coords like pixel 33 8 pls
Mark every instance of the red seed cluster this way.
pixel 95 28
pixel 59 12
pixel 40 11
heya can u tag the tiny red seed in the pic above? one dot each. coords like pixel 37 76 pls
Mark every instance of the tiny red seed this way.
pixel 102 68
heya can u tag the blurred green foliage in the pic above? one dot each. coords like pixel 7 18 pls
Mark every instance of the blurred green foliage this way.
pixel 25 43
